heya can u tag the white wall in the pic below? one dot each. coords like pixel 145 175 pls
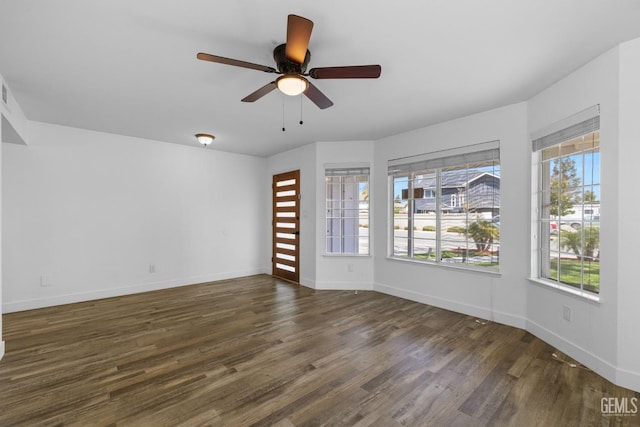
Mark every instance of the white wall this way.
pixel 1 311
pixel 591 335
pixel 16 118
pixel 88 213
pixel 627 235
pixel 13 130
pixel 302 159
pixel 499 297
pixel 317 270
pixel 341 272
pixel 91 211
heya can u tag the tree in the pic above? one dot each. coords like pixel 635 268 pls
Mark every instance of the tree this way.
pixel 483 234
pixel 364 195
pixel 564 177
pixel 590 196
pixel 582 248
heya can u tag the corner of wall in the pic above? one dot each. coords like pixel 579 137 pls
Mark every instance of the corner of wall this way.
pixel 14 122
pixel 565 345
pixel 627 379
pixel 1 341
pixel 628 293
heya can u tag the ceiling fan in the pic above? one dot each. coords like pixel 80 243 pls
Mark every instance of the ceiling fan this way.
pixel 291 60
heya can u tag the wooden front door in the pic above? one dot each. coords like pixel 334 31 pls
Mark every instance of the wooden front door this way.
pixel 286 226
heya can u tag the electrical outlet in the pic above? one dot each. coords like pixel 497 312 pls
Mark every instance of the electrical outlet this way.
pixel 566 313
pixel 350 268
pixel 152 268
pixel 46 281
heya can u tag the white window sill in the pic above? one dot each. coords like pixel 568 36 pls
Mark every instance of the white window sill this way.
pixel 566 289
pixel 346 255
pixel 448 266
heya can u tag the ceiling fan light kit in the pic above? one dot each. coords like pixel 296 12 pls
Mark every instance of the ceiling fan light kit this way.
pixel 291 60
pixel 204 138
pixel 292 84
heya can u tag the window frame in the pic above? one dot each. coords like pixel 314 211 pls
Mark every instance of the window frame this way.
pixel 433 165
pixel 580 125
pixel 332 171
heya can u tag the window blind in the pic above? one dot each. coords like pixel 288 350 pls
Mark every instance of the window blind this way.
pixel 346 171
pixel 441 159
pixel 582 123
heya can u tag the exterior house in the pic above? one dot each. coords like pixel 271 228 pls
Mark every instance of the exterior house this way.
pixel 477 191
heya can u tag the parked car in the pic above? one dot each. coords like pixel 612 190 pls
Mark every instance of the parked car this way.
pixel 589 221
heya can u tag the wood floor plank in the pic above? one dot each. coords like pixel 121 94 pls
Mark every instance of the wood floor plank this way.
pixel 258 351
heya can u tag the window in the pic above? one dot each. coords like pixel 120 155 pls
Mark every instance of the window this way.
pixel 347 209
pixel 444 205
pixel 569 202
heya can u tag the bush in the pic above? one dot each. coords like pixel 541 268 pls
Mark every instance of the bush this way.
pixel 586 249
pixel 429 228
pixel 483 234
pixel 457 229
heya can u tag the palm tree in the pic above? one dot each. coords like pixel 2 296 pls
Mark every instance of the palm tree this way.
pixel 364 195
pixel 483 234
pixel 583 247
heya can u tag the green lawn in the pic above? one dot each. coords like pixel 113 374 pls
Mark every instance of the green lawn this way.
pixel 452 254
pixel 570 273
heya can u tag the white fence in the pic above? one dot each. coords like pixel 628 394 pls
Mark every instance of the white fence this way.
pixel 448 219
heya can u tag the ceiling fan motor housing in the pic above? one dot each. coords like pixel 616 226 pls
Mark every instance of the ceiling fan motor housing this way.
pixel 286 66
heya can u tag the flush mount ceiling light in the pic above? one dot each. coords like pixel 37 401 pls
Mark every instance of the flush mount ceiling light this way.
pixel 204 138
pixel 292 84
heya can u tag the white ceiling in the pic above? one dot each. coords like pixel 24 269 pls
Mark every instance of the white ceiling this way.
pixel 129 66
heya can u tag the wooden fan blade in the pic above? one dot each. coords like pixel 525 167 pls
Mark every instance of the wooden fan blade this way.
pixel 350 72
pixel 298 35
pixel 260 92
pixel 317 97
pixel 235 62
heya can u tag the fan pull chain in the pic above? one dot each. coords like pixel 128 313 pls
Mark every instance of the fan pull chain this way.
pixel 283 129
pixel 301 122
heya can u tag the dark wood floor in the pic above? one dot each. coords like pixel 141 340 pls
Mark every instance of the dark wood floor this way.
pixel 258 351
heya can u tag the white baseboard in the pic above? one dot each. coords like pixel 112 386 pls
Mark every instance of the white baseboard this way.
pixel 70 298
pixel 307 282
pixel 628 379
pixel 336 286
pixel 585 357
pixel 618 376
pixel 468 309
pixel 344 286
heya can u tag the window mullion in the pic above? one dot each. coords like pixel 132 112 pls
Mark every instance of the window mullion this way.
pixel 447 200
pixel 466 216
pixel 343 196
pixel 410 216
pixel 438 216
pixel 342 207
